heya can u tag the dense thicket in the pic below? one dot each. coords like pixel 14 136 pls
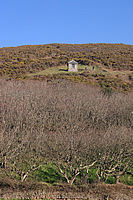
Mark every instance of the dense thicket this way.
pixel 30 58
pixel 72 126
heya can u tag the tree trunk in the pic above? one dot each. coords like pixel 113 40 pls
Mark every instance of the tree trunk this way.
pixel 117 179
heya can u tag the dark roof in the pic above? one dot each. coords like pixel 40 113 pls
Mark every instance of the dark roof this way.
pixel 73 62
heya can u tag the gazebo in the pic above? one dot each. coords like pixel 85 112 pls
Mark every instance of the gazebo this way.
pixel 72 66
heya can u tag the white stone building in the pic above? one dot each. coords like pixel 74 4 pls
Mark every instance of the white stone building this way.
pixel 72 66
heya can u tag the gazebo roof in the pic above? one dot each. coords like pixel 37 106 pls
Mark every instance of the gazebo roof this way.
pixel 72 62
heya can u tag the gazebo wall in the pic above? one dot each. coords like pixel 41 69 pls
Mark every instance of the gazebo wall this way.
pixel 71 69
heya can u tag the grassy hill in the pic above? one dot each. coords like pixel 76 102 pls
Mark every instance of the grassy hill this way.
pixel 113 63
pixel 31 58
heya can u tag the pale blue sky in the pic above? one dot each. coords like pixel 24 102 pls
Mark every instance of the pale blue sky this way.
pixel 29 22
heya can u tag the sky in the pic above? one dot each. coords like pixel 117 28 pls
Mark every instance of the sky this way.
pixel 34 22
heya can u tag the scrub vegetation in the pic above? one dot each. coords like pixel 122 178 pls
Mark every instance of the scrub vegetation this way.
pixel 65 132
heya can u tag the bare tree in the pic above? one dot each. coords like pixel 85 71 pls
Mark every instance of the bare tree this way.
pixel 70 152
pixel 20 154
pixel 20 150
pixel 71 125
pixel 116 152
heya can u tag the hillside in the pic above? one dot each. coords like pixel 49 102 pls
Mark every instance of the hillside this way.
pixel 20 62
pixel 66 131
pixel 22 59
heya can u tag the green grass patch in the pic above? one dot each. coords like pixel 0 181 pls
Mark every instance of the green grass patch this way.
pixel 111 180
pixel 127 179
pixel 60 70
pixel 47 174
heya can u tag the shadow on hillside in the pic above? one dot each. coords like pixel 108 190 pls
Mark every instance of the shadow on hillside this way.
pixel 63 70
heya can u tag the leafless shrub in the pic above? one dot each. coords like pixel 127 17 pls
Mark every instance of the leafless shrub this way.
pixel 72 125
pixel 116 153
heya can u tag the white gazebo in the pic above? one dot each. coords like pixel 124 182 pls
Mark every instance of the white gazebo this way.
pixel 72 66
